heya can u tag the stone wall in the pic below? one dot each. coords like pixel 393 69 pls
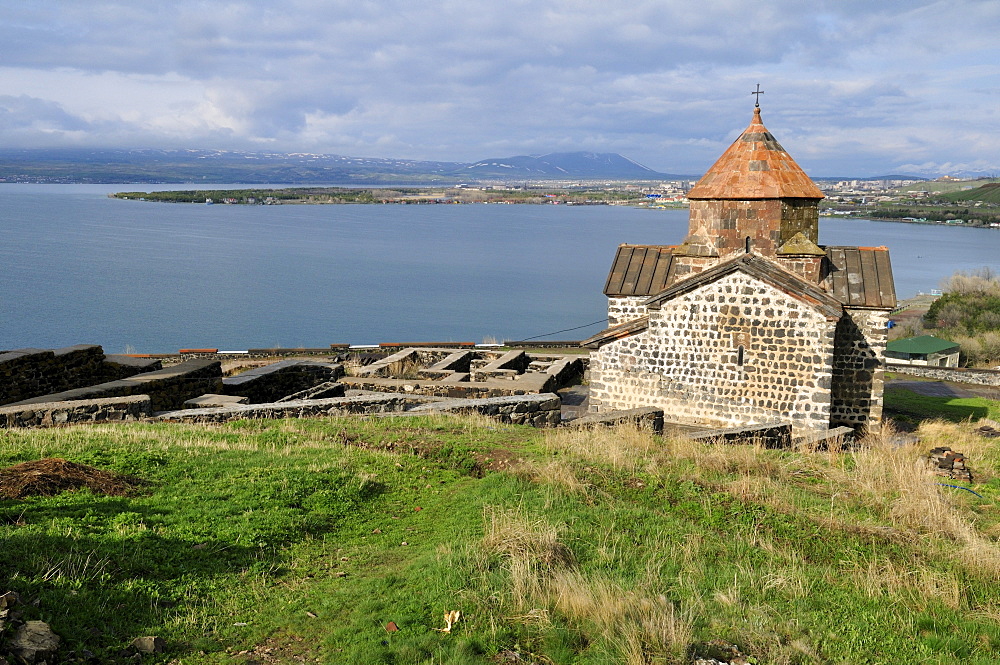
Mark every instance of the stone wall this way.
pixel 48 414
pixel 459 361
pixel 122 367
pixel 768 435
pixel 537 410
pixel 734 352
pixel 982 377
pixel 809 268
pixel 858 375
pixel 272 382
pixel 542 410
pixel 646 417
pixel 719 226
pixel 167 388
pixel 625 308
pixel 333 406
pixel 26 373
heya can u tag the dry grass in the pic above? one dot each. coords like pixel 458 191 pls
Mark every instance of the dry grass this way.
pixel 897 479
pixel 644 626
pixel 514 534
pixel 915 586
pixel 880 490
pixel 626 448
pixel 555 473
pixel 353 365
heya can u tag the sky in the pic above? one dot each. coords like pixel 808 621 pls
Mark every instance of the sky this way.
pixel 851 87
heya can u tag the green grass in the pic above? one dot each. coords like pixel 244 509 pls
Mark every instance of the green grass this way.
pixel 954 409
pixel 989 192
pixel 597 548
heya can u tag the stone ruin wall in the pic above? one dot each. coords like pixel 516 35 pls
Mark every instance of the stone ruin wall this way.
pixel 167 388
pixel 28 372
pixel 859 369
pixel 687 361
pixel 51 414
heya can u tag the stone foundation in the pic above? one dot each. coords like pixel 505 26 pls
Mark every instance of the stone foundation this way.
pixel 536 410
pixel 48 414
pixel 769 435
pixel 466 374
pixel 28 373
pixel 334 406
pixel 167 388
pixel 272 382
pixel 647 417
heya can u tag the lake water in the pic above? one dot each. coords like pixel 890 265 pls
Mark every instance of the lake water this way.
pixel 78 267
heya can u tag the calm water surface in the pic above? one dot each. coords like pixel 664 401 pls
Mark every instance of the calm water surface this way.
pixel 79 267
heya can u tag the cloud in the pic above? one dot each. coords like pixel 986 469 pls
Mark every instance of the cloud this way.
pixel 849 84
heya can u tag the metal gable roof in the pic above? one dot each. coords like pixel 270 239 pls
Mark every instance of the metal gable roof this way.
pixel 640 270
pixel 861 277
pixel 922 345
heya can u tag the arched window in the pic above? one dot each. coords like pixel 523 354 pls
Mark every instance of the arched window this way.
pixel 747 241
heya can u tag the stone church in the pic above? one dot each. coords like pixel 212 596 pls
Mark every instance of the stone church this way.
pixel 748 321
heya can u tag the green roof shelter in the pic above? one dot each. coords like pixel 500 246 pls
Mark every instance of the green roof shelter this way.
pixel 923 350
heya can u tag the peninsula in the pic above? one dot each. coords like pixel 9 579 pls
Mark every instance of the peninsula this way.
pixel 607 194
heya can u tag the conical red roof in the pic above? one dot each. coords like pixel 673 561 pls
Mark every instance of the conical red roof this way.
pixel 755 167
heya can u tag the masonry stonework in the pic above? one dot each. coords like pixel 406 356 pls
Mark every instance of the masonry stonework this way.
pixel 748 321
pixel 735 352
pixel 859 369
pixel 625 308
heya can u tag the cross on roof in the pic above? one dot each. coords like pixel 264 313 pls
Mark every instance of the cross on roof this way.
pixel 759 92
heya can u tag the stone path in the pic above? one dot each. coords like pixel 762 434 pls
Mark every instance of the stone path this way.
pixel 575 402
pixel 945 389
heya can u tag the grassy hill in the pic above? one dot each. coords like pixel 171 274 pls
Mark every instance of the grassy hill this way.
pixel 989 193
pixel 347 540
pixel 946 186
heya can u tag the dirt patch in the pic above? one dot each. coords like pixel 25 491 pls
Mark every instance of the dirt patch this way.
pixel 499 459
pixel 53 475
pixel 279 649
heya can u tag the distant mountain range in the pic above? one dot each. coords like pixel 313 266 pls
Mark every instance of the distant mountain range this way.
pixel 221 166
pixel 567 165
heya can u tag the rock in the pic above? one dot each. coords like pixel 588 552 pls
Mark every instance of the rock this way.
pixel 33 641
pixel 9 599
pixel 149 644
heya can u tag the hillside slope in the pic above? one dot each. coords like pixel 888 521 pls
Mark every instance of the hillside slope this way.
pixel 348 540
pixel 989 193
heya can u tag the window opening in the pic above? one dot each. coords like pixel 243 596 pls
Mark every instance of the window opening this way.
pixel 739 356
pixel 747 242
